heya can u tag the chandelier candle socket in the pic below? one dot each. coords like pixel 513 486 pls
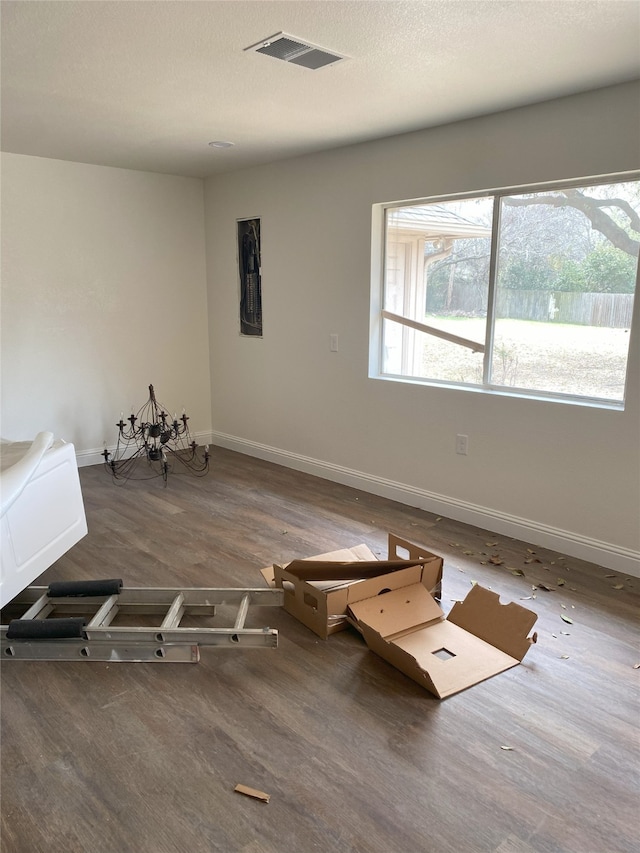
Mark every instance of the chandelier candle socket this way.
pixel 164 442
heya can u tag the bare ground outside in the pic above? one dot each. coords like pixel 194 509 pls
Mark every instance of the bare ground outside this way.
pixel 581 360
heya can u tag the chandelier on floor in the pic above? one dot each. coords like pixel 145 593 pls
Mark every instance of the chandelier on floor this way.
pixel 153 437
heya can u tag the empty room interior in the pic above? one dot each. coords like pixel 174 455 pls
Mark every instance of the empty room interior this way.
pixel 335 281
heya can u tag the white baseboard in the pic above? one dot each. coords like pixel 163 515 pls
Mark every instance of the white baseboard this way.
pixel 89 457
pixel 604 554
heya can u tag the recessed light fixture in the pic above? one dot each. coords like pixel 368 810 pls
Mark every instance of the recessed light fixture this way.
pixel 219 143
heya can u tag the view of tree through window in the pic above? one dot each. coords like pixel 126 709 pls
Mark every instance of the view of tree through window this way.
pixel 530 291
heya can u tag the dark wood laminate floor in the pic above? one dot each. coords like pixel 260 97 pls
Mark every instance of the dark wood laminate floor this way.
pixel 143 758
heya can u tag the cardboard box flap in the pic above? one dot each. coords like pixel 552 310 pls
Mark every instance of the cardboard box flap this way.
pixel 391 613
pixel 504 626
pixel 440 655
pixel 401 549
pixel 403 661
pixel 374 587
pixel 335 570
pixel 450 657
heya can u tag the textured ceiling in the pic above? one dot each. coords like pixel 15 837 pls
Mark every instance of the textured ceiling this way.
pixel 147 85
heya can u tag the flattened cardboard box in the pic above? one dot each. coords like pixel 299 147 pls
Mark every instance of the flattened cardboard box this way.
pixel 480 638
pixel 334 580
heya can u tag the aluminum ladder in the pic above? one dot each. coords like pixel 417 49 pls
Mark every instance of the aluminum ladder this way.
pixel 75 621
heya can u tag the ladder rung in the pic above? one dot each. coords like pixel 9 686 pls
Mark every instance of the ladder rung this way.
pixel 106 614
pixel 242 612
pixel 39 609
pixel 175 613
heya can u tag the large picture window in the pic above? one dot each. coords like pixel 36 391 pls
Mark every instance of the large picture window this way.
pixel 528 291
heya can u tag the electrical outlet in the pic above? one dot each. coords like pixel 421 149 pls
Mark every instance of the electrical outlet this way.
pixel 333 343
pixel 462 444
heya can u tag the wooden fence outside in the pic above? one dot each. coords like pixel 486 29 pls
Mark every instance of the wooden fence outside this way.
pixel 586 309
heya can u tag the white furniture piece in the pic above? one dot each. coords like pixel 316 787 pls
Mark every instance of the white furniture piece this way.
pixel 41 509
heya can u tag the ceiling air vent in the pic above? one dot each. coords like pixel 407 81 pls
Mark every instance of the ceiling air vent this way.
pixel 297 52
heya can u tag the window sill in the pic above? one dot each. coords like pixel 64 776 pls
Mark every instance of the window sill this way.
pixel 492 391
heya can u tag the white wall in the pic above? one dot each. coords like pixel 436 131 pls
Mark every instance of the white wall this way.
pixel 103 293
pixel 556 474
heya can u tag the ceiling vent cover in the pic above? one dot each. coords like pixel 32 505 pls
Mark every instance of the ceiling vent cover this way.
pixel 296 51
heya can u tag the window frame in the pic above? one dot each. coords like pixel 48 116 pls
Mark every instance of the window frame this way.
pixel 378 313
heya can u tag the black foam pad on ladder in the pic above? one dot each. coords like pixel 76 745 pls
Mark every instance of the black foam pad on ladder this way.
pixel 69 589
pixel 46 629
